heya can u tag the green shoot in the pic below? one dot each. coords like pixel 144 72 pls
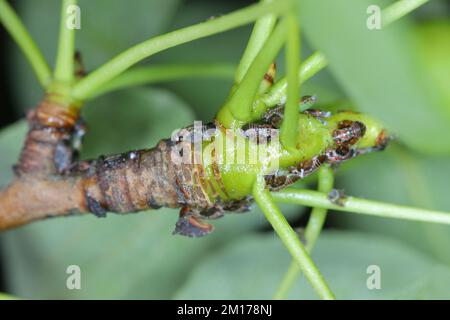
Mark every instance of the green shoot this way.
pixel 290 239
pixel 312 231
pixel 162 73
pixel 64 69
pixel 23 39
pixel 261 31
pixel 133 55
pixel 289 127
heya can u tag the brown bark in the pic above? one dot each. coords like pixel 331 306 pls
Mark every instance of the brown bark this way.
pixel 49 183
pixel 140 180
pixel 29 199
pixel 46 150
pixel 123 183
pixel 38 191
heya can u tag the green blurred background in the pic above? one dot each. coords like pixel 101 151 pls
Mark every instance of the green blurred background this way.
pixel 400 75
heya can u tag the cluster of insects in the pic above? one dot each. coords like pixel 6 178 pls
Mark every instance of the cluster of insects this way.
pixel 214 191
pixel 345 136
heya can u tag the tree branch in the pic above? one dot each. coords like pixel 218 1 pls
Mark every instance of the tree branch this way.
pixel 50 183
pixel 29 199
pixel 123 183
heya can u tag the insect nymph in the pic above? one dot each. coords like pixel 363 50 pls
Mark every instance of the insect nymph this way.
pixel 222 166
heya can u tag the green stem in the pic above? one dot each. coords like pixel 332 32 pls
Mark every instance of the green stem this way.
pixel 308 68
pixel 361 206
pixel 23 39
pixel 313 229
pixel 290 239
pixel 318 61
pixel 64 67
pixel 261 31
pixel 318 214
pixel 161 73
pixel 239 107
pixel 399 9
pixel 289 127
pixel 133 55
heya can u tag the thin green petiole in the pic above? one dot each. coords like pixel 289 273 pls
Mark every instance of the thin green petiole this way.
pixel 318 214
pixel 239 107
pixel 260 33
pixel 241 102
pixel 313 229
pixel 64 67
pixel 399 9
pixel 312 65
pixel 361 206
pixel 162 73
pixel 133 55
pixel 318 61
pixel 290 239
pixel 289 127
pixel 23 39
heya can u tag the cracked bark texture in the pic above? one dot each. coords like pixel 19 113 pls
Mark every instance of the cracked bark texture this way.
pixel 50 183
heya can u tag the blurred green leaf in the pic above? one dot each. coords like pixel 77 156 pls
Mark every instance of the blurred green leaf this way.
pixel 379 70
pixel 403 177
pixel 132 119
pixel 252 267
pixel 434 37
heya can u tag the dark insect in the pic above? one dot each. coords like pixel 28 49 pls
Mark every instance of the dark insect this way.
pixel 337 197
pixel 282 179
pixel 348 132
pixel 339 154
